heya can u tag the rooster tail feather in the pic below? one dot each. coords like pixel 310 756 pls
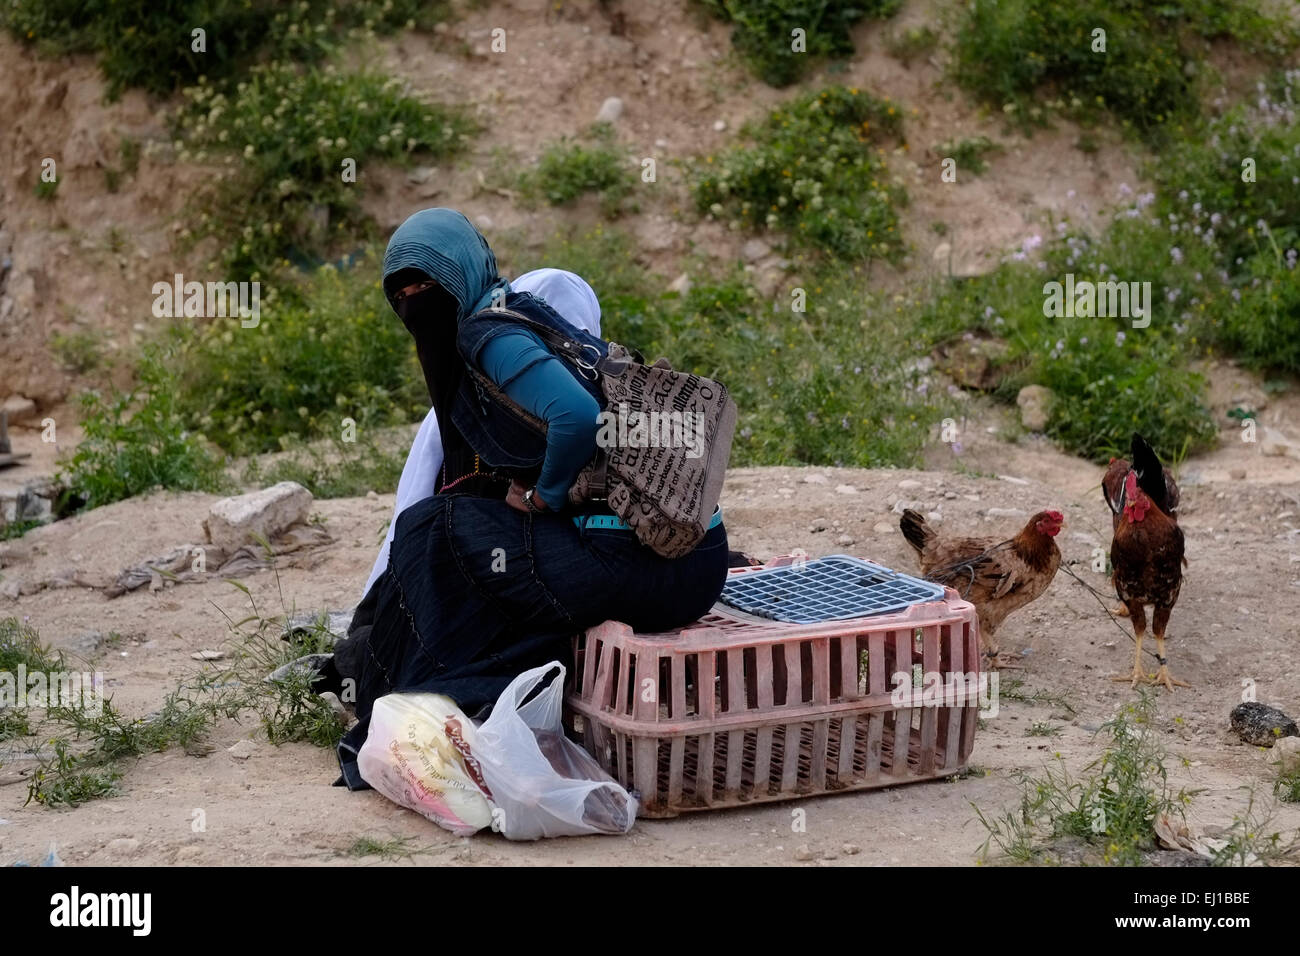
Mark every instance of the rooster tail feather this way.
pixel 916 530
pixel 1151 472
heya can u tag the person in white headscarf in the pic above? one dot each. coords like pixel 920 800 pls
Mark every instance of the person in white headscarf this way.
pixel 567 294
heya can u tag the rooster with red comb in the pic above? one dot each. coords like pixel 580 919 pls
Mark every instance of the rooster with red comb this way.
pixel 1146 551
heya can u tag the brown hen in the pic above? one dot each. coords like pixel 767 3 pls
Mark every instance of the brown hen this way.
pixel 998 576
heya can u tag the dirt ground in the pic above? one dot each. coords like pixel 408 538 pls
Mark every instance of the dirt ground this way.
pixel 86 263
pixel 1235 622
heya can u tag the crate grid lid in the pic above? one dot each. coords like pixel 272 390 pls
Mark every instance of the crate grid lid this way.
pixel 833 588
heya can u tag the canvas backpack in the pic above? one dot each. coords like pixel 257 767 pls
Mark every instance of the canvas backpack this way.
pixel 664 440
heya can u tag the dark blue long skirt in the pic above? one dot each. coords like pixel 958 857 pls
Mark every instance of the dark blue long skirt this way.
pixel 477 592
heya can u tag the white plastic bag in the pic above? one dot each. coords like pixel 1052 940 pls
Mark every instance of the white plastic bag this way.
pixel 415 755
pixel 541 783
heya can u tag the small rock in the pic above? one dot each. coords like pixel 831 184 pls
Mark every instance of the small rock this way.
pixel 1286 755
pixel 123 846
pixel 681 285
pixel 909 484
pixel 816 526
pixel 846 490
pixel 815 479
pixel 804 853
pixel 420 175
pixel 884 527
pixel 88 643
pixel 610 110
pixel 846 539
pixel 188 853
pixel 233 522
pixel 1260 725
pixel 1237 474
pixel 19 409
pixel 1035 403
pixel 719 125
pixel 207 655
pixel 851 849
pixel 755 249
pixel 242 750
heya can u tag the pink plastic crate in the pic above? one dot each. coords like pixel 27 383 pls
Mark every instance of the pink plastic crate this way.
pixel 735 710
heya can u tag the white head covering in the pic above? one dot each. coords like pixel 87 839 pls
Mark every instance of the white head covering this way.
pixel 564 292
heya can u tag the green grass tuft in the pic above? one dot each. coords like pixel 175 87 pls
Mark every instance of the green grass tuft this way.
pixel 815 170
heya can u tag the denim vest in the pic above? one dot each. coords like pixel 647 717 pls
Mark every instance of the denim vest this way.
pixel 493 430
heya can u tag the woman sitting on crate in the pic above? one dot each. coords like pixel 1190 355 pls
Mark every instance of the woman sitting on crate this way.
pixel 496 572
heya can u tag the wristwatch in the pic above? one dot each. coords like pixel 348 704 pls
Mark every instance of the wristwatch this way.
pixel 528 500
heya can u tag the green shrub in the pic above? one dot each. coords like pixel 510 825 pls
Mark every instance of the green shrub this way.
pixel 69 780
pixel 1024 55
pixel 20 644
pixel 333 351
pixel 912 43
pixel 1237 242
pixel 137 440
pixel 1220 255
pixel 1109 379
pixel 1110 811
pixel 148 44
pixel 815 170
pixel 763 34
pixel 968 152
pixel 567 170
pixel 79 350
pixel 286 133
pixel 344 470
pixel 1110 390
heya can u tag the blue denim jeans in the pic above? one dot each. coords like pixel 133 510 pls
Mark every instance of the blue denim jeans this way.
pixel 477 592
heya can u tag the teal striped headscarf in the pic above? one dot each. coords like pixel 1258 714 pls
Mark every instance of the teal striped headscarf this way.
pixel 445 246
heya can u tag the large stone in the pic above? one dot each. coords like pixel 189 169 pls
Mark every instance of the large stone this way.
pixel 234 522
pixel 1035 403
pixel 1260 725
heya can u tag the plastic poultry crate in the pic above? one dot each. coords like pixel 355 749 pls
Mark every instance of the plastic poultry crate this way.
pixel 736 709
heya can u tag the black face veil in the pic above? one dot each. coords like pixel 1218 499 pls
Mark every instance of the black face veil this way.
pixel 430 317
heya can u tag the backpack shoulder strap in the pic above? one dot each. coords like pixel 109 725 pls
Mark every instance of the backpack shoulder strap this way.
pixel 586 357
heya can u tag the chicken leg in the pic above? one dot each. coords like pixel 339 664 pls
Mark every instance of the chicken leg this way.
pixel 1158 625
pixel 1138 614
